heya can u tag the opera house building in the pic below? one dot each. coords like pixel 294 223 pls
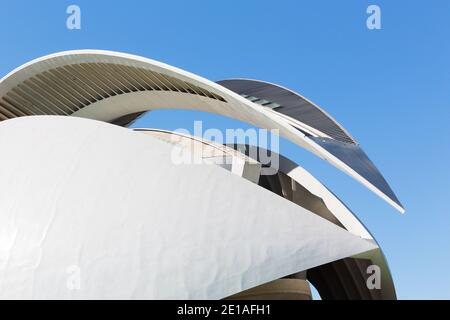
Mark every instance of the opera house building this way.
pixel 91 208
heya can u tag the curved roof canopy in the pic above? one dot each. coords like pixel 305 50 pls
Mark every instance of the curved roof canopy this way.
pixel 290 104
pixel 117 87
pixel 330 134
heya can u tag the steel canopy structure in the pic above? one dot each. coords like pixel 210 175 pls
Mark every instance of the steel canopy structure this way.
pixel 280 230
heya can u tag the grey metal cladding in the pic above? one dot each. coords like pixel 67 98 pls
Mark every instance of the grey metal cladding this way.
pixel 342 145
pixel 291 105
pixel 353 156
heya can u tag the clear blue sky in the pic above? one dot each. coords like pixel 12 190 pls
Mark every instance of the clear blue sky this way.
pixel 388 87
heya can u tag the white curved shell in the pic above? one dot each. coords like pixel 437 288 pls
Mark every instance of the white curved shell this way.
pixel 87 211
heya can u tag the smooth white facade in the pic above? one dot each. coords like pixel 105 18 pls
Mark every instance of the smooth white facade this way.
pixel 84 198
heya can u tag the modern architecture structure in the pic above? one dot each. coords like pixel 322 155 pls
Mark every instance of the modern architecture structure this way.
pixel 90 208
